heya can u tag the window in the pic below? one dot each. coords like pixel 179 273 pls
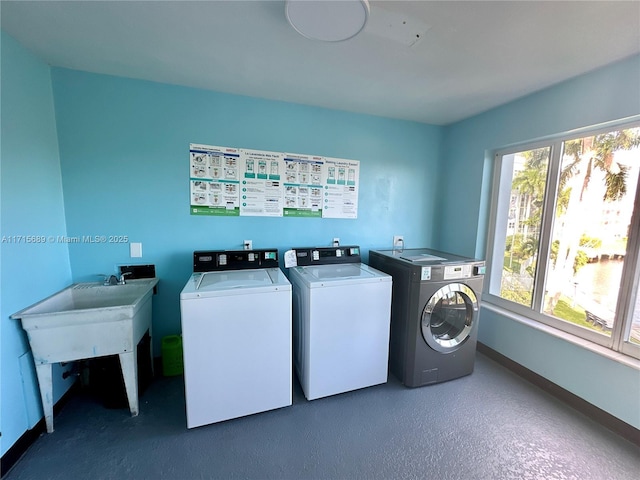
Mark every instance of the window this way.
pixel 565 236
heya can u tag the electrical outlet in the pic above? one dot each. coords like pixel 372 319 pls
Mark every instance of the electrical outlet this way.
pixel 398 241
pixel 336 242
pixel 248 244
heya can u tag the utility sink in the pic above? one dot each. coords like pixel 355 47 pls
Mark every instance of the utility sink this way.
pixel 81 299
pixel 87 320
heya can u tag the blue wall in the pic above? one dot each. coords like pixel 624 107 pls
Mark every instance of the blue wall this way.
pixel 605 95
pixel 124 148
pixel 31 204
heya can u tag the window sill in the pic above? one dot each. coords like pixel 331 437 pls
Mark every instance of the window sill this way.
pixel 573 339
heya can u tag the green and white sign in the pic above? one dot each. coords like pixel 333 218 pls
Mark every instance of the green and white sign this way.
pixel 226 181
pixel 214 180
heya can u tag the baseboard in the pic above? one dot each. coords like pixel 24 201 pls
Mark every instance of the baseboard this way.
pixel 607 420
pixel 28 438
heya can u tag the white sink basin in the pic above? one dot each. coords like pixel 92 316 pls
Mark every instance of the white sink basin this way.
pixel 87 320
pixel 86 302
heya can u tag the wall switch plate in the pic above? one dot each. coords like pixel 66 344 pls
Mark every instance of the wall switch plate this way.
pixel 248 244
pixel 135 250
pixel 398 241
pixel 336 242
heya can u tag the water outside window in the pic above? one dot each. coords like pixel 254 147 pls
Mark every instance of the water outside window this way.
pixel 590 230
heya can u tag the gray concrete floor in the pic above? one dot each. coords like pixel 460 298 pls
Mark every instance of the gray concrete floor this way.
pixel 489 425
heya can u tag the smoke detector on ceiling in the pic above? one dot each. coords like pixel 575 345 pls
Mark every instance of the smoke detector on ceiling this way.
pixel 327 20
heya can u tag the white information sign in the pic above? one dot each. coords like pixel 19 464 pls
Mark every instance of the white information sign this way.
pixel 341 188
pixel 261 189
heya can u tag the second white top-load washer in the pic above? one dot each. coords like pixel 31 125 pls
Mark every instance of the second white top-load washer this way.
pixel 341 318
pixel 236 336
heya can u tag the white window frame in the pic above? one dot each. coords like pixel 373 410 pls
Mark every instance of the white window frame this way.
pixel 498 222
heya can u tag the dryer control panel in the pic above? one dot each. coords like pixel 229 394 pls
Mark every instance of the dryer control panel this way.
pixel 327 255
pixel 452 272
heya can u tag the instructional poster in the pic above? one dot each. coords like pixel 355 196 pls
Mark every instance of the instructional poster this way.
pixel 214 180
pixel 302 185
pixel 341 188
pixel 261 192
pixel 226 181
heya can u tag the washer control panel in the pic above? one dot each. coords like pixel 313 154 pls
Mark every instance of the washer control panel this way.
pixel 327 255
pixel 216 260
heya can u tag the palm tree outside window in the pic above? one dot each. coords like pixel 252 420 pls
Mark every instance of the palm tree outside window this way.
pixel 564 247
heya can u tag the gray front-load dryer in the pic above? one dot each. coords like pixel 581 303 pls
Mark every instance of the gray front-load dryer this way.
pixel 434 313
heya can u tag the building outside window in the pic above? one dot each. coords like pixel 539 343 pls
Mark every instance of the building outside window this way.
pixel 565 242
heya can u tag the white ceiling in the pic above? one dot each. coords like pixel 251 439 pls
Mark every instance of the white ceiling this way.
pixel 470 56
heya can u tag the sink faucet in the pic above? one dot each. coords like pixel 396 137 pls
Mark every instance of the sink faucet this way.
pixel 121 281
pixel 113 280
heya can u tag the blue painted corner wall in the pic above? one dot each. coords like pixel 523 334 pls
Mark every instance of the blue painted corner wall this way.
pixel 31 202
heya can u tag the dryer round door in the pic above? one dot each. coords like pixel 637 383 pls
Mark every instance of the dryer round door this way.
pixel 448 317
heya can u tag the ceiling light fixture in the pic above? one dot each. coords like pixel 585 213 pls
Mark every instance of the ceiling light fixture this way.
pixel 327 20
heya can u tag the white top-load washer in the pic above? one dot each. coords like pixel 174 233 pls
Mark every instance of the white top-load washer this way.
pixel 236 336
pixel 342 314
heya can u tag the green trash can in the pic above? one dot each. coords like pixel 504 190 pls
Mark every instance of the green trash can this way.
pixel 172 355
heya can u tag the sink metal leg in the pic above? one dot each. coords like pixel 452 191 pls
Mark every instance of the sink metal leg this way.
pixel 151 352
pixel 43 371
pixel 129 365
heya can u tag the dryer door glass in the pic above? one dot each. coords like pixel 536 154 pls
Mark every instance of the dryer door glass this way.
pixel 448 317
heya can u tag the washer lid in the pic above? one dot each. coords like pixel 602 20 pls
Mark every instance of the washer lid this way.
pixel 235 282
pixel 324 275
pixel 234 279
pixel 337 272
